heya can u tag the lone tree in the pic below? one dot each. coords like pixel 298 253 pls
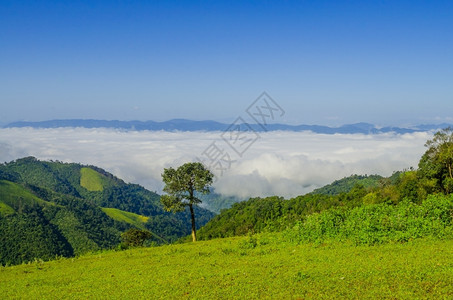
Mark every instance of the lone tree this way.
pixel 436 165
pixel 181 185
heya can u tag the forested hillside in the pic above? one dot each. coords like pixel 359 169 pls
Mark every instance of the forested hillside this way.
pixel 50 209
pixel 408 195
pixel 346 184
pixel 276 213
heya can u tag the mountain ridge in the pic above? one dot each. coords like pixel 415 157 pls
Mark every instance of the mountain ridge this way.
pixel 209 125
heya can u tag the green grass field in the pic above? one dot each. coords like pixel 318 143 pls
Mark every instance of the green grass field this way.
pixel 91 180
pixel 243 268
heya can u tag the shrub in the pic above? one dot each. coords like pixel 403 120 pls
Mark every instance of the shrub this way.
pixel 134 237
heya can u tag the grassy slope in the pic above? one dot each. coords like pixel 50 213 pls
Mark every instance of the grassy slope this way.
pixel 91 180
pixel 128 217
pixel 231 268
pixel 12 195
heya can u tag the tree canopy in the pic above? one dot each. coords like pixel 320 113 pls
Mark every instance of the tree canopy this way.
pixel 436 165
pixel 181 184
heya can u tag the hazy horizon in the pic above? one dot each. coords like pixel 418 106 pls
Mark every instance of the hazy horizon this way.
pixel 231 119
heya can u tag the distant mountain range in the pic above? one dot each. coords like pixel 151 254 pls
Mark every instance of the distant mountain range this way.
pixel 190 125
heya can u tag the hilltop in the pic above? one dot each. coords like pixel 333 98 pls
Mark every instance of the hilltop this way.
pixel 346 184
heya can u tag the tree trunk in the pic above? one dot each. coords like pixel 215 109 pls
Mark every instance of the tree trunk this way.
pixel 194 232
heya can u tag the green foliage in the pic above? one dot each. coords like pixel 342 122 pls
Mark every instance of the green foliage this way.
pixel 436 165
pixel 244 217
pixel 81 224
pixel 169 227
pixel 45 174
pixel 181 186
pixel 410 188
pixel 348 183
pixel 379 223
pixel 135 237
pixel 250 243
pixel 132 198
pixel 182 183
pixel 29 235
pixel 274 213
pixel 65 178
pixel 75 232
pixel 8 175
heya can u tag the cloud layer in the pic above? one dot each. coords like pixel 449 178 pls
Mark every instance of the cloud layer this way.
pixel 278 163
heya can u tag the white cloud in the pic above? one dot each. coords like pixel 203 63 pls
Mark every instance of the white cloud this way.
pixel 279 163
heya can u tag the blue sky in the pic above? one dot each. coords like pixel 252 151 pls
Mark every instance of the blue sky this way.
pixel 324 62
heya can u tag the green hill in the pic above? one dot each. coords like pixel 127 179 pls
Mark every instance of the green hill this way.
pixel 45 224
pixel 345 184
pixel 275 213
pixel 264 214
pixel 90 183
pixel 80 209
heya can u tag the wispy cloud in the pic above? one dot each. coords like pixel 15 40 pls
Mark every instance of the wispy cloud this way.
pixel 280 163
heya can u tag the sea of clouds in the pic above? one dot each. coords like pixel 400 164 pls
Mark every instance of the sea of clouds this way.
pixel 278 163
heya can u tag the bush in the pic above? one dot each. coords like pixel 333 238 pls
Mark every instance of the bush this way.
pixel 134 237
pixel 250 243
